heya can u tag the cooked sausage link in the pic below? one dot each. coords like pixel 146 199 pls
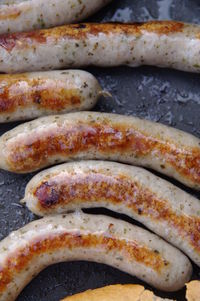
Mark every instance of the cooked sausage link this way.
pixel 102 239
pixel 160 43
pixel 31 95
pixel 90 135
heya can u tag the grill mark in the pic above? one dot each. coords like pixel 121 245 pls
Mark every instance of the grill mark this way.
pixel 104 138
pixel 97 187
pixel 21 259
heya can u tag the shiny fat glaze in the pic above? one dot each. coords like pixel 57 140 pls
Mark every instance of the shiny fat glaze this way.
pixel 159 205
pixel 31 95
pixel 161 43
pixel 16 16
pixel 87 237
pixel 90 135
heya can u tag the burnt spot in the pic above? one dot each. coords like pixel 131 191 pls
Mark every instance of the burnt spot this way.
pixel 162 166
pixel 7 42
pixel 80 26
pixel 4 105
pixel 37 99
pixel 47 195
pixel 23 39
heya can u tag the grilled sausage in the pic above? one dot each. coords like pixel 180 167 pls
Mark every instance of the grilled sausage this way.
pixel 94 238
pixel 91 135
pixel 165 44
pixel 117 293
pixel 159 205
pixel 31 95
pixel 27 15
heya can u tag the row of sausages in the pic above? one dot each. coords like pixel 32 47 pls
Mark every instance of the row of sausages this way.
pixel 160 206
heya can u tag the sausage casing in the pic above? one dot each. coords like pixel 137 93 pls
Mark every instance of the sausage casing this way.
pixel 31 95
pixel 19 15
pixel 159 205
pixel 91 135
pixel 165 44
pixel 78 236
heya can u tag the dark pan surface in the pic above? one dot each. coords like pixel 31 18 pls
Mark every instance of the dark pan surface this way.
pixel 167 96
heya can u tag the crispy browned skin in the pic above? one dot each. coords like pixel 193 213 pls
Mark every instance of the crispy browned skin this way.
pixel 71 140
pixel 77 31
pixel 95 186
pixel 22 91
pixel 20 260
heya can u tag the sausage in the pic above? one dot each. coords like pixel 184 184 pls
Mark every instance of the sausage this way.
pixel 160 206
pixel 128 292
pixel 31 95
pixel 90 135
pixel 161 43
pixel 18 15
pixel 94 238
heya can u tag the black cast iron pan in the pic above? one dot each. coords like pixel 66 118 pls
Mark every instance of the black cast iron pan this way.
pixel 167 96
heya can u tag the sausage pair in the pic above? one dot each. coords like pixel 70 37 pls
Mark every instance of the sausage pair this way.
pixel 160 206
